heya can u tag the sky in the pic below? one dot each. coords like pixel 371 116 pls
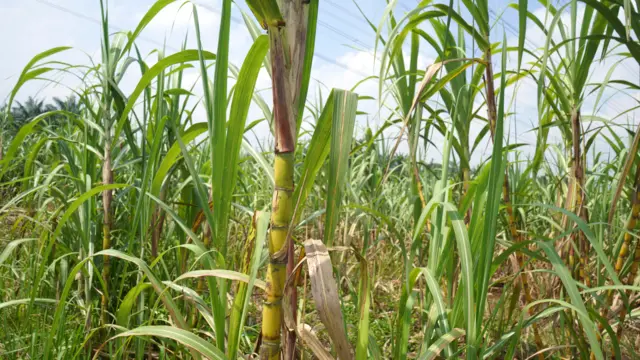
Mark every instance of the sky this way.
pixel 344 52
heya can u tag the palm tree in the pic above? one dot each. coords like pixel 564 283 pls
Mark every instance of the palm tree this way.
pixel 70 104
pixel 23 112
pixel 32 107
pixel 18 115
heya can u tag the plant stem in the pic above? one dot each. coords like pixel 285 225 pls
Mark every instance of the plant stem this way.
pixel 287 50
pixel 624 252
pixel 107 196
pixel 492 113
pixel 276 272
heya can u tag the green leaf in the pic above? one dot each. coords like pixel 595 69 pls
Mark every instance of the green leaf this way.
pixel 28 164
pixel 11 246
pixel 158 286
pixel 10 303
pixel 149 76
pixel 576 300
pixel 266 12
pixel 124 310
pixel 344 117
pixel 146 19
pixel 312 25
pixel 494 194
pixel 434 350
pixel 184 337
pixel 222 274
pixel 261 224
pixel 172 156
pixel 25 131
pixel 522 28
pixel 262 162
pixel 48 244
pixel 244 89
pixel 364 300
pixel 317 152
pixel 29 74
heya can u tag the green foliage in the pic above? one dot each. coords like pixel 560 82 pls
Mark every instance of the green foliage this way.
pixel 424 253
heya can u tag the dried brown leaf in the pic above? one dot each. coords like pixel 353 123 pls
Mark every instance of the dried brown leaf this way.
pixel 325 294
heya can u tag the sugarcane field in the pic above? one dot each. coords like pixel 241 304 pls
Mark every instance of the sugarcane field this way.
pixel 320 179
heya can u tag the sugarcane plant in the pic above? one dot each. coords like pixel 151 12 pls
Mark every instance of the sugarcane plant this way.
pixel 134 227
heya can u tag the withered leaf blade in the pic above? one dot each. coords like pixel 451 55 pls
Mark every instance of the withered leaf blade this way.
pixel 304 331
pixel 312 342
pixel 325 294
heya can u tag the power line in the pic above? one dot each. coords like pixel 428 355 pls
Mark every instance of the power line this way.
pixel 511 28
pixel 349 13
pixel 209 8
pixel 341 33
pixel 317 55
pixel 514 32
pixel 96 21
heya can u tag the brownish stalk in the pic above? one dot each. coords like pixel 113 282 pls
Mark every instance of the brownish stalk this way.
pixel 206 235
pixel 524 280
pixel 579 195
pixel 624 253
pixel 157 223
pixel 107 196
pixel 633 272
pixel 292 292
pixel 466 180
pixel 575 202
pixel 627 237
pixel 513 229
pixel 576 199
pixel 288 44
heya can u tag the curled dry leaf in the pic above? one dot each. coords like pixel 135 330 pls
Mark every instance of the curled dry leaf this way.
pixel 305 333
pixel 325 294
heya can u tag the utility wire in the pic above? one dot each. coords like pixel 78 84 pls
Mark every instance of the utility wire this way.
pixel 96 21
pixel 209 8
pixel 316 54
pixel 613 104
pixel 344 11
pixel 512 29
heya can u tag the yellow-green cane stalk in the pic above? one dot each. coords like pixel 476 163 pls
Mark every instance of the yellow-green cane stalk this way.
pixel 624 253
pixel 286 22
pixel 282 209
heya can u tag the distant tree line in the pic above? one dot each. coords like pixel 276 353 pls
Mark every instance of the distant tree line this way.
pixel 23 112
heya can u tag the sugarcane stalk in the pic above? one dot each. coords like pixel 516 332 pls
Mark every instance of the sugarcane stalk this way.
pixel 524 280
pixel 623 253
pixel 107 197
pixel 631 224
pixel 287 51
pixel 282 210
pixel 633 272
pixel 466 181
pixel 157 223
pixel 511 220
pixel 579 194
pixel 241 292
pixel 206 240
pixel 576 203
pixel 292 293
